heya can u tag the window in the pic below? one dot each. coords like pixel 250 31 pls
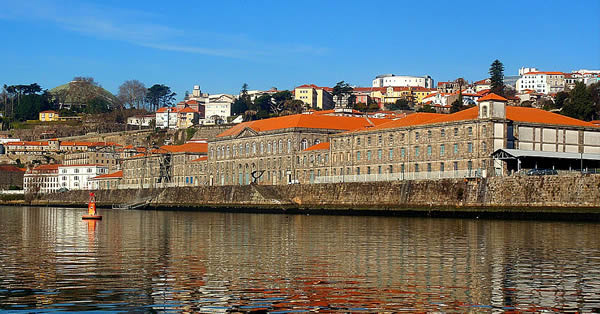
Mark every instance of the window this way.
pixel 416 151
pixel 358 141
pixel 391 153
pixel 254 148
pixel 456 148
pixel 417 136
pixel 470 131
pixel 428 167
pixel 304 144
pixel 428 150
pixel 484 130
pixel 442 149
pixel 483 146
pixel 357 170
pixel 470 147
pixel 402 152
pixel 289 146
pixel 455 166
pixel 368 155
pixel 429 134
pixel 469 165
pixel 391 139
pixel 358 156
pixel 379 154
pixel 368 170
pixel 416 167
pixel 455 131
pixel 89 170
pixel 379 139
pixel 441 167
pixel 402 168
pixel 379 169
pixel 262 149
pixel 76 170
pixel 368 140
pixel 76 178
pixel 317 141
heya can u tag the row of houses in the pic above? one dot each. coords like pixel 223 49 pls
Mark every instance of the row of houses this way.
pixel 490 139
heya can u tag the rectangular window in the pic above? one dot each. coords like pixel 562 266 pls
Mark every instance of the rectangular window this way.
pixel 442 167
pixel 416 167
pixel 443 133
pixel 442 149
pixel 357 155
pixel 456 148
pixel 402 152
pixel 416 135
pixel 391 153
pixel 455 166
pixel 379 154
pixel 428 150
pixel 470 147
pixel 416 151
pixel 455 131
pixel 429 167
pixel 368 155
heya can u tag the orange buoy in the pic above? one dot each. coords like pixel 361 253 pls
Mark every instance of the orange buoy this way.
pixel 92 208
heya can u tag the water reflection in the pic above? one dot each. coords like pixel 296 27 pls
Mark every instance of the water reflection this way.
pixel 154 260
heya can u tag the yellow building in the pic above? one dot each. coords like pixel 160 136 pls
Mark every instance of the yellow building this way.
pixel 48 115
pixel 314 96
pixel 390 95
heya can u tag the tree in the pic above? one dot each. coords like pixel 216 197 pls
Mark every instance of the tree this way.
pixel 262 104
pixel 97 105
pixel 82 90
pixel 278 101
pixel 340 90
pixel 160 95
pixel 579 104
pixel 426 108
pixel 497 77
pixel 242 103
pixel 456 105
pixel 293 106
pixel 132 93
pixel 400 104
pixel 560 99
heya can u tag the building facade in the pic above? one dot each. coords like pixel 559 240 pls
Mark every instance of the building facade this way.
pixel 48 115
pixel 41 179
pixel 386 80
pixel 542 82
pixel 77 177
pixel 314 96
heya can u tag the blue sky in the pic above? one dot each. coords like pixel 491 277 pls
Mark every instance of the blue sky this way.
pixel 222 44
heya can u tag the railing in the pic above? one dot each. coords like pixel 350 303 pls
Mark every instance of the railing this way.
pixel 425 175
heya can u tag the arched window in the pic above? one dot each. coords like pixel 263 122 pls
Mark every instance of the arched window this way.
pixel 304 144
pixel 269 147
pixel 247 149
pixel 280 146
pixel 289 146
pixel 317 141
pixel 262 147
pixel 254 148
pixel 212 153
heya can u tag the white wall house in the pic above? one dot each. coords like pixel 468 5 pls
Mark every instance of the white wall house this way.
pixel 213 110
pixel 77 177
pixel 542 82
pixel 386 80
pixel 141 120
pixel 166 117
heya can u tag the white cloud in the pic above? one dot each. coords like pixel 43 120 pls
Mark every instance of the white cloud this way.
pixel 140 28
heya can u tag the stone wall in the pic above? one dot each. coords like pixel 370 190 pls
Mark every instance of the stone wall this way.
pixel 564 194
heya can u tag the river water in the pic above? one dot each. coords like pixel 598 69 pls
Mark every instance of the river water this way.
pixel 230 262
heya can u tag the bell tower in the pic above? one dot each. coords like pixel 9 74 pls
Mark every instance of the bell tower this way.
pixel 492 106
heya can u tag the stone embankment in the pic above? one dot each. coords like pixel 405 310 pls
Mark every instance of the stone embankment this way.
pixel 574 196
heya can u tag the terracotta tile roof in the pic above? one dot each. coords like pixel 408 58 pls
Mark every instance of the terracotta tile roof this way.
pixel 492 96
pixel 118 174
pixel 84 165
pixel 33 143
pixel 89 144
pixel 310 121
pixel 412 119
pixel 164 109
pixel 192 102
pixel 203 158
pixel 47 167
pixel 11 168
pixel 320 146
pixel 534 115
pixel 483 82
pixel 187 110
pixel 187 147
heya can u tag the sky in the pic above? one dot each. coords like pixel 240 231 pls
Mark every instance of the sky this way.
pixel 221 45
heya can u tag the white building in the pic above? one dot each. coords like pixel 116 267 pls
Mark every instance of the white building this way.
pixel 77 177
pixel 217 111
pixel 41 179
pixel 141 120
pixel 166 117
pixel 541 82
pixel 386 80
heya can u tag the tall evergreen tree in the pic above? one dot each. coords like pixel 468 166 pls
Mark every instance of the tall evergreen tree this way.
pixel 579 105
pixel 497 77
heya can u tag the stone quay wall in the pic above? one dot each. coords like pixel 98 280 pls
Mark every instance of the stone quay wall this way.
pixel 575 194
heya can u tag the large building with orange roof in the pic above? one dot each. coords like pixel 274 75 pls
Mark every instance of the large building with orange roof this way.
pixel 271 149
pixel 311 148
